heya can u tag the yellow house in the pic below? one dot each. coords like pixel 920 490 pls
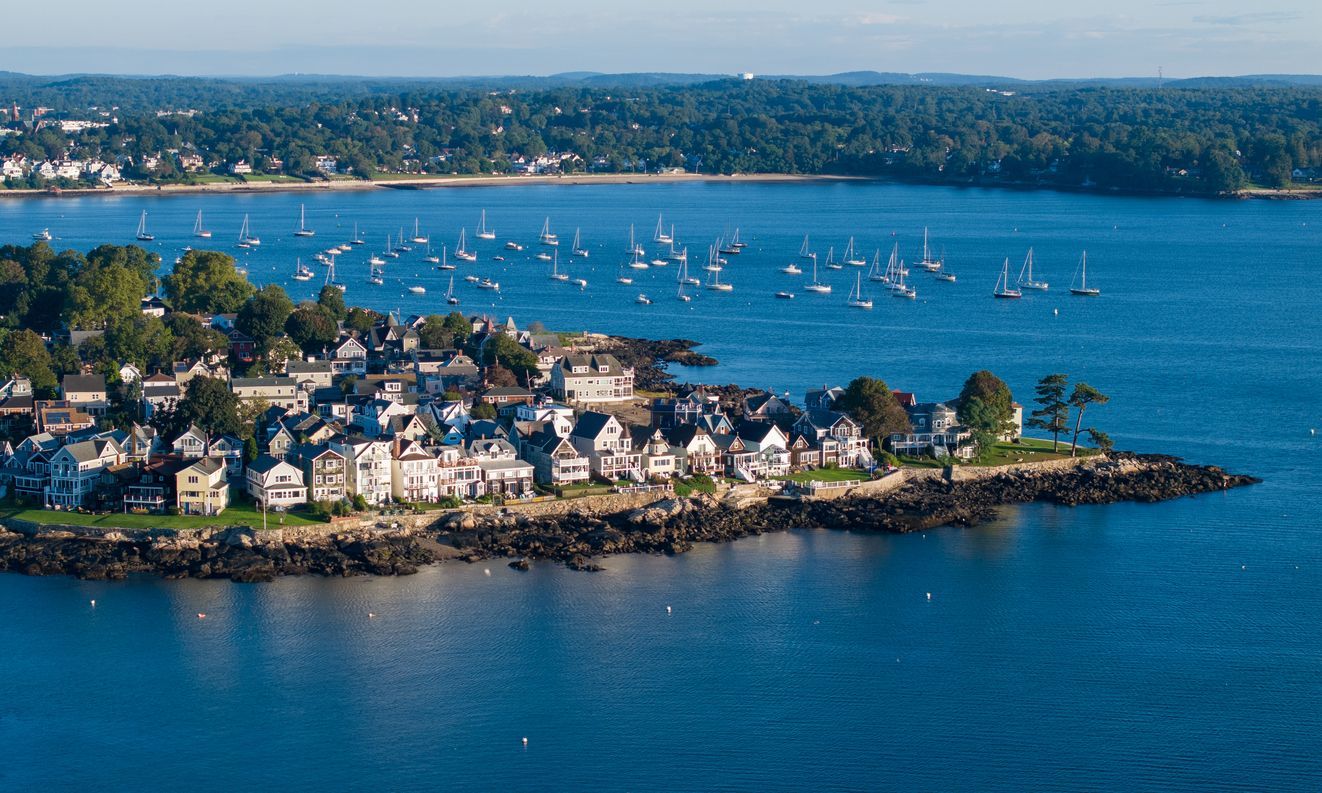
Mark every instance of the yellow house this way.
pixel 201 488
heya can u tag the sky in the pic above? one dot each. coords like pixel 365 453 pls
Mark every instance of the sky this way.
pixel 1015 38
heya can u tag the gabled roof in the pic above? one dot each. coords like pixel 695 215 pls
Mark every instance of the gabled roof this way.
pixel 593 362
pixel 206 466
pixel 591 424
pixel 755 431
pixel 265 463
pixel 87 451
pixel 83 382
pixel 684 434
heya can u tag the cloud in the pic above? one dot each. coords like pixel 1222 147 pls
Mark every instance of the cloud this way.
pixel 880 19
pixel 1234 20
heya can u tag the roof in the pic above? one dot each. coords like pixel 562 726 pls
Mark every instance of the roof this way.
pixel 87 451
pixel 506 391
pixel 260 382
pixel 504 465
pixel 263 464
pixel 83 382
pixel 756 431
pixel 824 419
pixel 684 434
pixel 593 362
pixel 591 423
pixel 307 367
pixel 206 465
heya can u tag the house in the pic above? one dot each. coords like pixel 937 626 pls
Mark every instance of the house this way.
pixel 243 348
pixel 17 406
pixel 591 378
pixel 201 488
pixel 140 442
pixel 275 484
pixel 770 443
pixel 936 431
pixel 348 356
pixel 658 460
pixel 374 418
pixel 310 375
pixel 160 392
pixel 367 467
pixel 557 418
pixel 191 443
pixel 507 477
pixel 153 306
pixel 840 437
pixel 75 468
pixel 766 407
pixel 694 449
pixel 240 168
pixel 414 473
pixel 738 460
pixel 506 398
pixel 229 450
pixel 411 426
pixel 87 392
pixel 461 476
pixel 155 489
pixel 804 454
pixel 129 373
pixel 602 439
pixel 279 390
pixel 58 418
pixel 823 399
pixel 554 459
pixel 323 471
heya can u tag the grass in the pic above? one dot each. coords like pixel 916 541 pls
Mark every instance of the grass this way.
pixel 235 515
pixel 272 177
pixel 1027 450
pixel 827 475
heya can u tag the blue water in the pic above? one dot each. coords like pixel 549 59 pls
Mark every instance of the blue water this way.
pixel 1171 646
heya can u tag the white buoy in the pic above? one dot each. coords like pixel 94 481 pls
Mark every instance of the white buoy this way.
pixel 525 741
pixel 201 616
pixel 667 609
pixel 371 616
pixel 929 595
pixel 1312 430
pixel 1055 311
pixel 93 603
pixel 487 571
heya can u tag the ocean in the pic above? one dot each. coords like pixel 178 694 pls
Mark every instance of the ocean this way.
pixel 1169 646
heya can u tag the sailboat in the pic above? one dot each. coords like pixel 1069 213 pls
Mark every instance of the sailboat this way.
pixel 484 233
pixel 390 253
pixel 198 231
pixel 677 254
pixel 556 275
pixel 622 278
pixel 401 247
pixel 816 286
pixel 856 299
pixel 303 230
pixel 715 283
pixel 418 236
pixel 636 263
pixel 542 256
pixel 375 261
pixel 429 258
pixel 713 264
pixel 684 277
pixel 142 229
pixel 683 296
pixel 330 276
pixel 852 258
pixel 876 273
pixel 546 237
pixel 449 294
pixel 660 236
pixel 460 252
pixel 42 236
pixel 577 248
pixel 1003 289
pixel 899 289
pixel 302 272
pixel 374 276
pixel 356 240
pixel 634 248
pixel 1083 289
pixel 735 243
pixel 804 253
pixel 1025 280
pixel 731 249
pixel 246 239
pixel 831 263
pixel 445 262
pixel 928 263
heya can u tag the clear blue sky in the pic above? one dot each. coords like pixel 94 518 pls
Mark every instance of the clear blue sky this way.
pixel 1017 38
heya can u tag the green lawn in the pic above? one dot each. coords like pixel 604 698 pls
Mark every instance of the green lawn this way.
pixel 827 475
pixel 1028 450
pixel 237 515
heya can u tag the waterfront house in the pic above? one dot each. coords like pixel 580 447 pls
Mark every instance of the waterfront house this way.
pixel 201 488
pixel 460 476
pixel 766 407
pixel 229 450
pixel 554 459
pixel 414 473
pixel 506 477
pixel 840 437
pixel 275 483
pixel 367 466
pixel 75 468
pixel 687 408
pixel 658 460
pixel 824 398
pixel 323 471
pixel 694 449
pixel 737 460
pixel 591 379
pixel 609 448
pixel 770 443
pixel 154 490
pixel 936 431
pixel 804 454
pixel 557 418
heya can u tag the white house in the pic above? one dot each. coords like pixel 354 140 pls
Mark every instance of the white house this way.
pixel 367 467
pixel 591 378
pixel 75 468
pixel 602 439
pixel 275 483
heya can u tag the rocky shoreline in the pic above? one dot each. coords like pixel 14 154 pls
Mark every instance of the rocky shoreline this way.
pixel 579 538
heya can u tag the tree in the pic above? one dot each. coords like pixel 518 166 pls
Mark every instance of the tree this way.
pixel 208 403
pixel 1053 413
pixel 311 327
pixel 332 299
pixel 870 402
pixel 250 450
pixel 104 293
pixel 434 334
pixel 1083 396
pixel 360 320
pixel 1100 440
pixel 206 282
pixel 282 350
pixel 985 405
pixel 23 352
pixel 506 351
pixel 192 339
pixel 498 375
pixel 460 327
pixel 483 410
pixel 264 315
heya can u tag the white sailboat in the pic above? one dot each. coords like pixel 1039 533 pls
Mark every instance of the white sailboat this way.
pixel 896 280
pixel 356 240
pixel 449 294
pixel 1026 280
pixel 660 236
pixel 677 254
pixel 577 248
pixel 429 258
pixel 401 247
pixel 831 263
pixel 390 252
pixel 804 253
pixel 636 263
pixel 928 263
pixel 1083 290
pixel 375 276
pixel 484 233
pixel 683 296
pixel 556 275
pixel 445 262
pixel 735 243
pixel 198 230
pixel 622 278
pixel 302 272
pixel 816 286
pixel 142 234
pixel 246 238
pixel 330 276
pixel 715 284
pixel 303 230
pixel 684 277
pixel 856 298
pixel 875 273
pixel 1004 290
pixel 729 250
pixel 461 252
pixel 418 236
pixel 852 258
pixel 547 237
pixel 634 248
